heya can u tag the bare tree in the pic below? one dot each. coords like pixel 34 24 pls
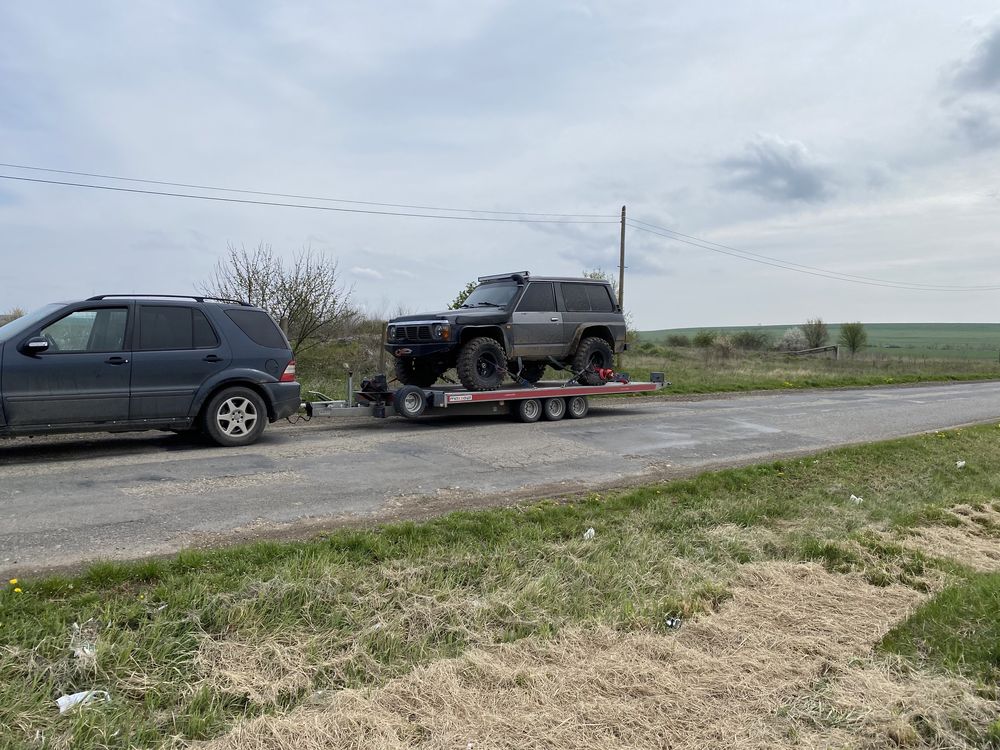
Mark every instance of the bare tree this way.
pixel 12 314
pixel 853 336
pixel 816 332
pixel 305 296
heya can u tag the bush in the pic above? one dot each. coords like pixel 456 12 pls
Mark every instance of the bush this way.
pixel 816 333
pixel 705 337
pixel 793 340
pixel 750 340
pixel 678 339
pixel 853 336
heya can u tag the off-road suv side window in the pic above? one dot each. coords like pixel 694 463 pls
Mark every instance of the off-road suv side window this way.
pixel 100 330
pixel 538 297
pixel 587 298
pixel 173 327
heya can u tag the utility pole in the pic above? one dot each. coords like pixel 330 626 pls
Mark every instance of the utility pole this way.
pixel 621 278
pixel 621 267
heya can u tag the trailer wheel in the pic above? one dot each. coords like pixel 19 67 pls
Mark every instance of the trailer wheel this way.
pixel 577 407
pixel 410 401
pixel 554 408
pixel 529 410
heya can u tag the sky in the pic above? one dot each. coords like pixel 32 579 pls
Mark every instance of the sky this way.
pixel 856 137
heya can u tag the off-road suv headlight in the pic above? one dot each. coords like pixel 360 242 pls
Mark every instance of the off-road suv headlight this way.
pixel 441 331
pixel 391 333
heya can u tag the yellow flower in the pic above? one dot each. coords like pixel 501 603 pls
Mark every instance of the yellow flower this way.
pixel 13 581
pixel 17 591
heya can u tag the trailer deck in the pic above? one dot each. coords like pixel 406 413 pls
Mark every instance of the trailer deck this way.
pixel 551 400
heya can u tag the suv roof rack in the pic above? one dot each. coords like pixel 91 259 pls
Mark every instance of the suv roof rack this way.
pixel 517 275
pixel 196 298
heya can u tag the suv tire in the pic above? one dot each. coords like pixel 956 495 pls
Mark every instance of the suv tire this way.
pixel 482 364
pixel 410 371
pixel 532 371
pixel 593 352
pixel 235 416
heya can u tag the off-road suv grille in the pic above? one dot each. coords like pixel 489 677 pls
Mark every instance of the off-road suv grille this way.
pixel 413 333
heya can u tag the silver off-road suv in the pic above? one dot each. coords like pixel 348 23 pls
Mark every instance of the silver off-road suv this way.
pixel 514 324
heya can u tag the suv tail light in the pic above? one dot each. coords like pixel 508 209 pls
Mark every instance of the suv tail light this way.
pixel 288 376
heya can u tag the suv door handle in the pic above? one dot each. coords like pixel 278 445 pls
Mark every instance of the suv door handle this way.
pixel 554 320
pixel 116 361
pixel 212 358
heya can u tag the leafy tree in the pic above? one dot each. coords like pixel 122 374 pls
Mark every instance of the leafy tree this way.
pixel 752 340
pixel 816 333
pixel 304 295
pixel 463 295
pixel 705 337
pixel 793 340
pixel 678 339
pixel 853 336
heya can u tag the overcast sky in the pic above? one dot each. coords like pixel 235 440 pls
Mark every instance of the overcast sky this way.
pixel 856 136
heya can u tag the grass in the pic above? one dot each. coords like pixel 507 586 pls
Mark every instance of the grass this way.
pixel 907 340
pixel 691 370
pixel 189 645
pixel 957 631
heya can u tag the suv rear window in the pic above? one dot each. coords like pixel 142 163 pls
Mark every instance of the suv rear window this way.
pixel 259 328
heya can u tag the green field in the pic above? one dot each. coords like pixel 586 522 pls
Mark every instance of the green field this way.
pixel 919 340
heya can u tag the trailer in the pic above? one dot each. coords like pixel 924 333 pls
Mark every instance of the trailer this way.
pixel 527 403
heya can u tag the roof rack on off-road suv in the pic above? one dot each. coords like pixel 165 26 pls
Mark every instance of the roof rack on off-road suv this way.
pixel 173 296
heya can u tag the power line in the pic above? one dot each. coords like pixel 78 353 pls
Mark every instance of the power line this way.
pixel 337 209
pixel 302 197
pixel 822 273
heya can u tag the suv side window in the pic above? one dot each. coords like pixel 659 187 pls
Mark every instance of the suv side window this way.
pixel 575 297
pixel 538 297
pixel 259 328
pixel 173 327
pixel 100 330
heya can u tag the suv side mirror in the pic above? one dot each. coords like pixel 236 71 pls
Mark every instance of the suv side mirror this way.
pixel 35 345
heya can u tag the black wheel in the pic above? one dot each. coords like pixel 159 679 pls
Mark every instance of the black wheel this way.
pixel 482 364
pixel 529 410
pixel 411 371
pixel 235 416
pixel 593 353
pixel 577 407
pixel 410 401
pixel 554 408
pixel 530 371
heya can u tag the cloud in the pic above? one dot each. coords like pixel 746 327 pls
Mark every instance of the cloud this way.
pixel 366 273
pixel 980 70
pixel 978 125
pixel 778 170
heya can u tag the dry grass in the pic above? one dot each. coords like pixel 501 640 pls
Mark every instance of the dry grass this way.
pixel 785 663
pixel 973 540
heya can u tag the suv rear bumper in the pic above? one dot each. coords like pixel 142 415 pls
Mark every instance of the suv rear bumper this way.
pixel 286 398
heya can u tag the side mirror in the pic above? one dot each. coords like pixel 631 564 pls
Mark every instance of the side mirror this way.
pixel 35 345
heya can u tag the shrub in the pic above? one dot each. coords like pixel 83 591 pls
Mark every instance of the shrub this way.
pixel 792 340
pixel 750 340
pixel 678 339
pixel 816 332
pixel 853 336
pixel 705 337
pixel 722 348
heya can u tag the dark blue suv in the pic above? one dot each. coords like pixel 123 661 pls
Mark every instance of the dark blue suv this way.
pixel 120 363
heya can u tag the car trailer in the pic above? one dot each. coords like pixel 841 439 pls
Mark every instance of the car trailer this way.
pixel 528 403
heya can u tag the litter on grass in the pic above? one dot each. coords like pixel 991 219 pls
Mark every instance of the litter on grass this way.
pixel 589 534
pixel 857 500
pixel 960 464
pixel 68 702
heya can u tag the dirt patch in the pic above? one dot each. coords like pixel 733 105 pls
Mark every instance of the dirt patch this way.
pixel 208 485
pixel 785 663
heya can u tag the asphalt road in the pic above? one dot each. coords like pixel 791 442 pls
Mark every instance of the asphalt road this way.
pixel 65 501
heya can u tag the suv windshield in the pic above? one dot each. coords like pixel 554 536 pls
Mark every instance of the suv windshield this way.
pixel 493 294
pixel 19 325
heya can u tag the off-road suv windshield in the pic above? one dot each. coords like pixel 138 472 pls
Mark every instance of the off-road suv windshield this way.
pixel 492 295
